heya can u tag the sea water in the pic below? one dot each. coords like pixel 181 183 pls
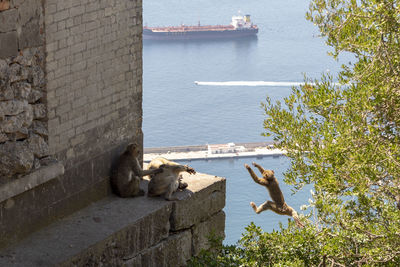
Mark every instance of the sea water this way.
pixel 178 111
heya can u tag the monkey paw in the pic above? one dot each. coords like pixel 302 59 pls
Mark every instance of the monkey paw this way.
pixel 246 166
pixel 190 170
pixel 182 185
pixel 253 205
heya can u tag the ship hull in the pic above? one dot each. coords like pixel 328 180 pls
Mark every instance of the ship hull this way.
pixel 148 34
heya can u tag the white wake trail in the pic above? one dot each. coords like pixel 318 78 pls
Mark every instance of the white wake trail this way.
pixel 252 83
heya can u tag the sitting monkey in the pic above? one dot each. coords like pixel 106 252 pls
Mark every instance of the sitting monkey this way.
pixel 278 204
pixel 169 180
pixel 126 176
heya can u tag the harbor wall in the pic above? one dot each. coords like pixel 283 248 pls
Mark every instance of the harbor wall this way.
pixel 194 148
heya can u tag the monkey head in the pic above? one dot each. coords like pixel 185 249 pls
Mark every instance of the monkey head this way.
pixel 269 175
pixel 133 149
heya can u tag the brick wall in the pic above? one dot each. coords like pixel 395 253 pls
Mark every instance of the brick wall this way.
pixel 94 73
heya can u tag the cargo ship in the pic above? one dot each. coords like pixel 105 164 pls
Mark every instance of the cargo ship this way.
pixel 240 27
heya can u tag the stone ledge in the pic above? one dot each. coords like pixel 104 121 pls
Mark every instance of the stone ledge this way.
pixel 207 198
pixel 173 251
pixel 38 177
pixel 114 231
pixel 203 231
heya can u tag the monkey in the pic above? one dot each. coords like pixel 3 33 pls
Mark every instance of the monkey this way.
pixel 278 204
pixel 169 181
pixel 157 162
pixel 126 176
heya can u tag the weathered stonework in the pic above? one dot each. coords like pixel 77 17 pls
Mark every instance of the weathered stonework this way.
pixel 70 102
pixel 213 226
pixel 22 88
pixel 21 26
pixel 128 231
pixel 23 122
pixel 70 90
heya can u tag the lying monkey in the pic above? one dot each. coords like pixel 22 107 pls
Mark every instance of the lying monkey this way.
pixel 126 176
pixel 278 205
pixel 169 181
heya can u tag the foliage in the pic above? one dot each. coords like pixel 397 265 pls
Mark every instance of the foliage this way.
pixel 288 247
pixel 344 139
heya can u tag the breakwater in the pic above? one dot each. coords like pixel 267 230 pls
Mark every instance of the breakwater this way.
pixel 248 146
pixel 201 152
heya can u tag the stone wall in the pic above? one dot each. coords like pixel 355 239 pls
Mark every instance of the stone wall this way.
pixel 71 89
pixel 90 99
pixel 70 102
pixel 94 72
pixel 21 26
pixel 138 231
pixel 23 112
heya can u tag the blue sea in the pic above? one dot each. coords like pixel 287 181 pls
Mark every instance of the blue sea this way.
pixel 176 111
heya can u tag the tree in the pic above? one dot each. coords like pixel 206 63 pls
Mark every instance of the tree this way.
pixel 344 139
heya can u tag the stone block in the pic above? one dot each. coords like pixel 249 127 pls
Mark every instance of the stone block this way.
pixel 16 73
pixel 9 124
pixel 62 15
pixel 174 251
pixel 203 231
pixel 6 92
pixel 28 11
pixel 3 68
pixel 24 58
pixel 109 231
pixel 39 111
pixel 36 75
pixel 38 146
pixel 19 134
pixel 26 117
pixel 207 197
pixel 29 211
pixel 13 107
pixel 8 44
pixel 76 11
pixel 30 181
pixel 34 96
pixel 16 158
pixel 13 124
pixel 8 20
pixel 22 90
pixel 3 137
pixel 31 34
pixel 40 128
pixel 177 249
